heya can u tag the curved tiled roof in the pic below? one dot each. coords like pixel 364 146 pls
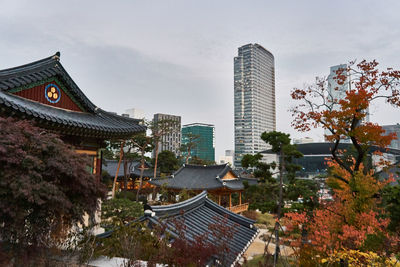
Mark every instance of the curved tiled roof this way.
pixel 95 122
pixel 198 214
pixel 197 177
pixel 40 70
pixel 111 166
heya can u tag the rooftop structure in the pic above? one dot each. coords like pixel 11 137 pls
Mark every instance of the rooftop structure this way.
pixel 197 214
pixel 43 91
pixel 254 99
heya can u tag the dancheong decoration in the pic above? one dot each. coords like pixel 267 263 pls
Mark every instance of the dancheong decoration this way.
pixel 52 93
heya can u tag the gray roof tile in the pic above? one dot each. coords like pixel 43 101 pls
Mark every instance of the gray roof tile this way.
pixel 196 177
pixel 197 214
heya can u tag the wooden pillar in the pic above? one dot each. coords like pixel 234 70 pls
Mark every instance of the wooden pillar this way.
pixel 230 200
pixel 240 198
pixel 219 199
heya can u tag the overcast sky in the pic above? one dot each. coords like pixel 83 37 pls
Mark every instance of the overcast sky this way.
pixel 176 57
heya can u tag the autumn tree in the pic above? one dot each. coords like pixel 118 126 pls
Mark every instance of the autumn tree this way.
pixel 45 188
pixel 345 118
pixel 353 220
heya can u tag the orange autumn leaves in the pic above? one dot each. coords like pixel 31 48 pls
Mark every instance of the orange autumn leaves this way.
pixel 353 220
pixel 347 222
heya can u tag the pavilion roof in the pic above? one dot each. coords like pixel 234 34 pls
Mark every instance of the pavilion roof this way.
pixel 134 168
pixel 198 177
pixel 89 121
pixel 197 214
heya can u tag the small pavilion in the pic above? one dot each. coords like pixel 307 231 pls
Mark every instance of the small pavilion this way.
pixel 220 181
pixel 43 92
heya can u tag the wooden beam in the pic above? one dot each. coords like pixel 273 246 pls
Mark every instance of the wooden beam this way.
pixel 219 200
pixel 230 200
pixel 240 198
pixel 121 151
pixel 87 152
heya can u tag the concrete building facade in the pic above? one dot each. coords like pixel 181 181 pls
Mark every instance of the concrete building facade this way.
pixel 170 141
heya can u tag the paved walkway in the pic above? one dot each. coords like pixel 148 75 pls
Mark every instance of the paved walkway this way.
pixel 258 246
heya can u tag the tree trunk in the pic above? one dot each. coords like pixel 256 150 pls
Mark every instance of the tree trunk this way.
pixel 188 156
pixel 140 179
pixel 121 151
pixel 277 224
pixel 153 195
pixel 125 174
pixel 155 160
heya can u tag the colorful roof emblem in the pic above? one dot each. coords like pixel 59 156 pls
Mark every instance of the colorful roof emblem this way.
pixel 52 93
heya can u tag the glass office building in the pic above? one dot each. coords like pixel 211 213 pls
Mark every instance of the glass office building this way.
pixel 205 143
pixel 254 99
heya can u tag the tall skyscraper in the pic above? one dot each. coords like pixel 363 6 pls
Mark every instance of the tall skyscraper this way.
pixel 254 92
pixel 170 141
pixel 205 141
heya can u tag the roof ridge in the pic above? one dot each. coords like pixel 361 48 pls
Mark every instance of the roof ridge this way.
pixel 51 67
pixel 184 205
pixel 225 171
pixel 55 57
pixel 206 166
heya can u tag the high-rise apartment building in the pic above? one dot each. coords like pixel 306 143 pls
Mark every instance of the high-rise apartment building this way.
pixel 254 99
pixel 171 140
pixel 205 140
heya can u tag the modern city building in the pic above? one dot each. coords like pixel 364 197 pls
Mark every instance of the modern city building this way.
pixel 171 140
pixel 393 129
pixel 303 140
pixel 228 158
pixel 135 113
pixel 205 141
pixel 254 99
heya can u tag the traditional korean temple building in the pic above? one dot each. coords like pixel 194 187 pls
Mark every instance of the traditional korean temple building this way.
pixel 133 173
pixel 197 214
pixel 43 91
pixel 218 180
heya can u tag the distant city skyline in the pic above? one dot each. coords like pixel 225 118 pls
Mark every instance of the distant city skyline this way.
pixel 166 58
